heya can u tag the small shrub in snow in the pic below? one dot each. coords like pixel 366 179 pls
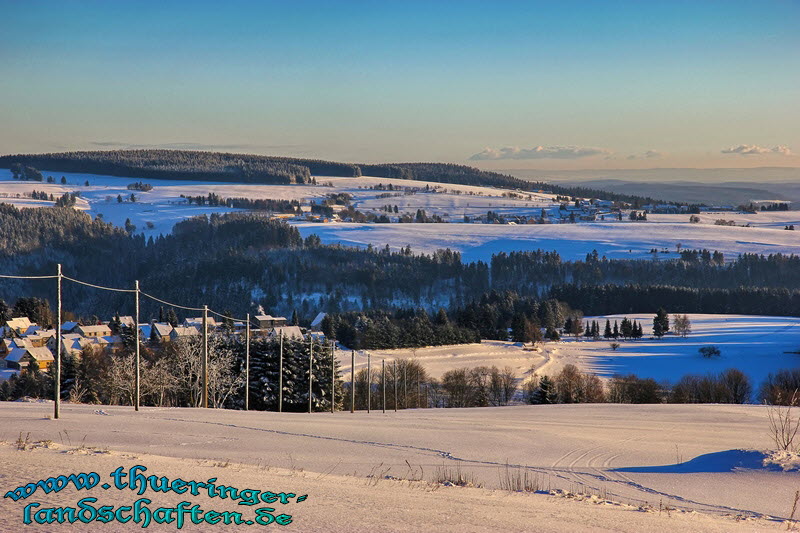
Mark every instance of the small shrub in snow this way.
pixel 710 351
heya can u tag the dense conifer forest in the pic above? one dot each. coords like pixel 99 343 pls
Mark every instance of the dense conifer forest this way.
pixel 243 262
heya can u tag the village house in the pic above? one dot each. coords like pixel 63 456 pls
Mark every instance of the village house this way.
pixel 20 325
pixel 94 331
pixel 181 332
pixel 127 321
pixel 198 323
pixel 6 345
pixel 68 327
pixel 316 324
pixel 160 331
pixel 269 321
pixel 288 332
pixel 21 358
pixel 71 343
pixel 41 337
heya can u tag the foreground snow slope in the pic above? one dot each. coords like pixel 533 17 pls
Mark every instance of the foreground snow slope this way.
pixel 583 448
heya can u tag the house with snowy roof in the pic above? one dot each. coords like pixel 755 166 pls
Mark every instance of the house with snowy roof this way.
pixel 316 324
pixel 269 321
pixel 22 358
pixel 198 323
pixel 94 331
pixel 19 325
pixel 288 332
pixel 183 332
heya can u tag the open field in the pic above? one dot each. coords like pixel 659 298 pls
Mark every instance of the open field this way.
pixel 621 453
pixel 163 207
pixel 756 345
pixel 615 240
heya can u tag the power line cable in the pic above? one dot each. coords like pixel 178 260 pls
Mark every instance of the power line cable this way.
pixel 97 286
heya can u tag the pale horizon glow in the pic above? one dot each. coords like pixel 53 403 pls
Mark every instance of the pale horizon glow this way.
pixel 512 85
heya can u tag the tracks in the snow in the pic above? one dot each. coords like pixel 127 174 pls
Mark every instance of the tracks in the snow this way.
pixel 594 477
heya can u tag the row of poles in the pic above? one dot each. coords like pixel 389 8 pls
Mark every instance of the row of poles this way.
pixel 204 397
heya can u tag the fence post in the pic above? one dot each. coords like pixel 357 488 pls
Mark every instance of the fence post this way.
pixel 247 365
pixel 138 378
pixel 395 385
pixel 333 376
pixel 352 381
pixel 310 368
pixel 405 386
pixel 280 376
pixel 369 382
pixel 383 384
pixel 57 399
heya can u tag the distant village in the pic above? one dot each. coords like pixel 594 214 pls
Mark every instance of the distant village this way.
pixel 25 343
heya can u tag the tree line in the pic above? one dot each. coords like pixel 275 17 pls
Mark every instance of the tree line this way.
pixel 240 261
pixel 247 168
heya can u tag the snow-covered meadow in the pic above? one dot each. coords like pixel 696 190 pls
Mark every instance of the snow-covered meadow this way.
pixel 756 345
pixel 641 467
pixel 162 207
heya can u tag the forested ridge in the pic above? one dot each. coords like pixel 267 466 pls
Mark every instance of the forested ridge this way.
pixel 241 261
pixel 248 168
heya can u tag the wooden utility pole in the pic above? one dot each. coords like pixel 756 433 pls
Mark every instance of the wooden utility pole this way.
pixel 383 384
pixel 280 377
pixel 247 364
pixel 57 399
pixel 138 382
pixel 205 356
pixel 352 381
pixel 395 385
pixel 369 382
pixel 333 376
pixel 405 385
pixel 310 365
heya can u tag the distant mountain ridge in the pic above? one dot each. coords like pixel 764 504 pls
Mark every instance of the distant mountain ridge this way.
pixel 248 168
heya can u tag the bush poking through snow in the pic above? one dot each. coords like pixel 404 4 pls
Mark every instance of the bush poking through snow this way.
pixel 709 352
pixel 784 423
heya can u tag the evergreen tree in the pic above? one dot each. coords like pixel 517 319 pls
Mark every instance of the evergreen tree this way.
pixel 660 323
pixel 607 333
pixel 172 318
pixel 546 393
pixel 615 334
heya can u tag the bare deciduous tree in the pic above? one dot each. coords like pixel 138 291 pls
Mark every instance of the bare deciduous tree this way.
pixel 681 325
pixel 784 424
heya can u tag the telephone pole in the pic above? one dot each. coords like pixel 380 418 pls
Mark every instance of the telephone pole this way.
pixel 280 377
pixel 395 385
pixel 247 364
pixel 57 398
pixel 137 380
pixel 369 382
pixel 383 384
pixel 310 367
pixel 352 381
pixel 205 356
pixel 333 376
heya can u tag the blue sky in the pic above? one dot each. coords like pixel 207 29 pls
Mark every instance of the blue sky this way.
pixel 563 84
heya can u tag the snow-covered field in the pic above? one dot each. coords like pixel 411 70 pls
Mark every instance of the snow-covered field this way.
pixel 756 345
pixel 671 467
pixel 615 240
pixel 163 207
